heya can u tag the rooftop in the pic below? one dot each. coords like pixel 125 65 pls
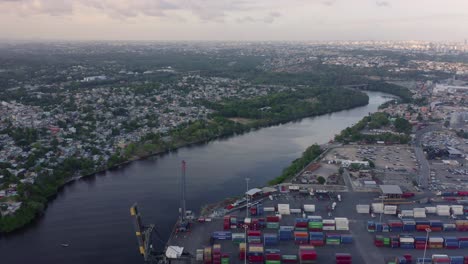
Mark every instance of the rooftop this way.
pixel 390 189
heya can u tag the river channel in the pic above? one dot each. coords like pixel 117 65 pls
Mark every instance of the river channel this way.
pixel 92 214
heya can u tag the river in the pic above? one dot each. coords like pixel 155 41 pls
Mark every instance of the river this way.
pixel 92 214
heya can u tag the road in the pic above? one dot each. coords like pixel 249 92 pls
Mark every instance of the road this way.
pixel 424 170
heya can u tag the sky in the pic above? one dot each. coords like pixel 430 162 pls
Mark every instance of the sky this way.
pixel 235 20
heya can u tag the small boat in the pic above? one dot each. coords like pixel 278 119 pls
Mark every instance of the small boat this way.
pixel 64 245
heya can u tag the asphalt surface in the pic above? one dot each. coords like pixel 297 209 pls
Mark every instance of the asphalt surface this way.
pixel 424 170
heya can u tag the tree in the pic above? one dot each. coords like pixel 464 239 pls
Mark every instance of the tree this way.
pixel 321 180
pixel 402 125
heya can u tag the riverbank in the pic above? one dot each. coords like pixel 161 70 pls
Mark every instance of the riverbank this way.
pixel 198 132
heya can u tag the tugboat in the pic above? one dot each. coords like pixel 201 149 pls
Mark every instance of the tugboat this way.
pixel 64 245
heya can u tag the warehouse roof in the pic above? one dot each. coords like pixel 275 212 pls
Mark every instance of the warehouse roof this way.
pixel 253 191
pixel 391 189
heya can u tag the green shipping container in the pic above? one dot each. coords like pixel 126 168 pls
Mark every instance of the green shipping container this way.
pixel 272 262
pixel 225 261
pixel 289 257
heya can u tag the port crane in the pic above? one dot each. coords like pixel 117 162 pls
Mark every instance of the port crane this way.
pixel 145 233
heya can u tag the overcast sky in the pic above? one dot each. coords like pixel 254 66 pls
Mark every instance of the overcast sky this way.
pixel 235 19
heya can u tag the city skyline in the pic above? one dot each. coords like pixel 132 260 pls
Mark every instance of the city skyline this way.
pixel 295 20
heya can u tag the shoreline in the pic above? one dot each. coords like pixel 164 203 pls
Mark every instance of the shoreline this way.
pixel 246 129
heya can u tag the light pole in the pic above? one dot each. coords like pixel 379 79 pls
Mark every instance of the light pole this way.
pixel 428 230
pixel 380 218
pixel 246 216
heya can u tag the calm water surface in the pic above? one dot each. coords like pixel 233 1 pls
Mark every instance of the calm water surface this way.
pixel 92 215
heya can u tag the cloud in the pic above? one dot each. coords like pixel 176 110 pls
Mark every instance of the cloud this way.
pixel 207 10
pixel 329 2
pixel 269 18
pixel 382 3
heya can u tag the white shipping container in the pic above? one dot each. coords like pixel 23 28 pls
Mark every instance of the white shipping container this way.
pixel 419 212
pixel 362 208
pixel 328 221
pixel 199 255
pixel 283 209
pixel 268 209
pixel 309 208
pixel 436 239
pixel 328 228
pixel 406 240
pixel 390 209
pixel 443 210
pixel 457 209
pixel 419 215
pixel 238 236
pixel 341 223
pixel 295 211
pixel 316 217
pixel 407 213
pixel 377 208
pixel 431 210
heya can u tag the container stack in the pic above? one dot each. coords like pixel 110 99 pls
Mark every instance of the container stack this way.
pixel 328 224
pixel 233 222
pixel 295 210
pixel 242 250
pixel 409 225
pixel 379 241
pixel 457 209
pixel 451 242
pixel 291 259
pixel 457 260
pixel 407 242
pixel 207 257
pixel 370 226
pixel 315 224
pixel 423 225
pixel 436 225
pixel 272 222
pixel 420 242
pixel 346 239
pixel 238 238
pixel 436 242
pixel 269 209
pixel 395 225
pixel 362 208
pixel 286 233
pixel 307 255
pixel 461 225
pixel 255 253
pixel 301 222
pixel 430 210
pixel 439 258
pixel 407 213
pixel 309 208
pixel 227 222
pixel 394 242
pixel 463 242
pixel 216 254
pixel 419 212
pixel 333 239
pixel 255 224
pixel 301 237
pixel 316 238
pixel 342 223
pixel 343 258
pixel 199 255
pixel 272 256
pixel 424 261
pixel 390 209
pixel 443 210
pixel 254 236
pixel 270 240
pixel 225 259
pixel 222 235
pixel 450 227
pixel 377 208
pixel 283 209
pixel 260 209
pixel 378 227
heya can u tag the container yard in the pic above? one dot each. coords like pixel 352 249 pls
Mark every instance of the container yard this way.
pixel 295 228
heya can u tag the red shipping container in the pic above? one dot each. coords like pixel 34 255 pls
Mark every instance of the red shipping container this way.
pixel 241 255
pixel 272 256
pixel 344 261
pixel 272 219
pixel 309 255
pixel 316 243
pixel 254 233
